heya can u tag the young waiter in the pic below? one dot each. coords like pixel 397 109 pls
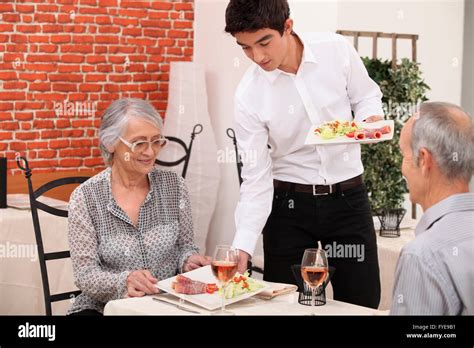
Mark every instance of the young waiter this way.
pixel 298 194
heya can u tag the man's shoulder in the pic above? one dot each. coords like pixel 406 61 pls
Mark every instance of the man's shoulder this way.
pixel 452 230
pixel 251 76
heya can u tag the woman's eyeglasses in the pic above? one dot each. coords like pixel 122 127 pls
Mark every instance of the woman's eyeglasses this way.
pixel 142 145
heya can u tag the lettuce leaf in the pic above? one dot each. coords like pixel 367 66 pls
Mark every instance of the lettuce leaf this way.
pixel 234 289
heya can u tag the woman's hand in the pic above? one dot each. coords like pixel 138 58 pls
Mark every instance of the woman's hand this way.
pixel 196 261
pixel 141 283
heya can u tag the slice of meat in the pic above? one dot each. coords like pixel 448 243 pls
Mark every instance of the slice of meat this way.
pixel 189 288
pixel 182 279
pixel 385 129
pixel 359 135
pixel 185 285
pixel 375 134
pixel 368 133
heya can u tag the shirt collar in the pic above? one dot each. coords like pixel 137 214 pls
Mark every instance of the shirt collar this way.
pixel 308 57
pixel 455 203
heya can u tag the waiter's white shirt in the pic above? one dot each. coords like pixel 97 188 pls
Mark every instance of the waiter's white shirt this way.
pixel 278 108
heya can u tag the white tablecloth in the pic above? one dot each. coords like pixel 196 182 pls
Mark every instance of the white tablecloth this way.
pixel 280 305
pixel 389 250
pixel 21 290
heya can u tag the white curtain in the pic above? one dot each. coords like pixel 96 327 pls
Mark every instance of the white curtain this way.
pixel 187 106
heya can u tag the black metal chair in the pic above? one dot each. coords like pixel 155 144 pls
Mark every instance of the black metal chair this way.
pixel 231 134
pixel 197 129
pixel 35 205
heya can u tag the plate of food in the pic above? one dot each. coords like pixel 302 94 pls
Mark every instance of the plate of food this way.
pixel 350 132
pixel 200 288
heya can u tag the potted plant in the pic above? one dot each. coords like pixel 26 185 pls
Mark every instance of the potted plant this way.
pixel 403 89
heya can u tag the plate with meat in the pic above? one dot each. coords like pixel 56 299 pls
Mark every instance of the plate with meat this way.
pixel 347 132
pixel 199 287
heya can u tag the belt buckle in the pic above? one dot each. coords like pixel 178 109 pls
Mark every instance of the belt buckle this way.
pixel 315 192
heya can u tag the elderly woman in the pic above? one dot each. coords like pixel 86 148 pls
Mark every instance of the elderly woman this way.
pixel 131 224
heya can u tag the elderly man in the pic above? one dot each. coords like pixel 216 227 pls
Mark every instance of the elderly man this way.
pixel 435 272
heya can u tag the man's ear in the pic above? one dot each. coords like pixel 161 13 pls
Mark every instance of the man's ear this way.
pixel 425 161
pixel 288 26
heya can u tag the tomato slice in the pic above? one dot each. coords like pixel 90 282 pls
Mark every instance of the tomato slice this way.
pixel 236 279
pixel 211 288
pixel 350 135
pixel 245 285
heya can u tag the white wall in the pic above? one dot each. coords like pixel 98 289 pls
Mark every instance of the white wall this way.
pixel 224 66
pixel 439 24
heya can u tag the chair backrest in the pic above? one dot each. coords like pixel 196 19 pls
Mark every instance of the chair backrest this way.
pixel 35 205
pixel 197 129
pixel 231 134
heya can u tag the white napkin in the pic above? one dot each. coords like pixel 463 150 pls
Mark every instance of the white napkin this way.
pixel 277 289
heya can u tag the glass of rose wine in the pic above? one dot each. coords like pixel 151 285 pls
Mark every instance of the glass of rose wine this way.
pixel 314 270
pixel 224 266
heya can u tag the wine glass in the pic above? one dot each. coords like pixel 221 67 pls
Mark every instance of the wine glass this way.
pixel 314 270
pixel 224 266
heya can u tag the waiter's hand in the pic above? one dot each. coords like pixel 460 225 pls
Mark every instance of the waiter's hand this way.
pixel 243 261
pixel 374 118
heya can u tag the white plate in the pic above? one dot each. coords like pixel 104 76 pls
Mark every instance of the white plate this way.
pixel 208 301
pixel 314 139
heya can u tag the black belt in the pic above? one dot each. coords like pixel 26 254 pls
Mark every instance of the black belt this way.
pixel 319 190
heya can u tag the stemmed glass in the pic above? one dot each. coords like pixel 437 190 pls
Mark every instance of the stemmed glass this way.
pixel 314 270
pixel 224 266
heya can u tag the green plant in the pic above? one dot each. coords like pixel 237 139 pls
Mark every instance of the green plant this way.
pixel 403 88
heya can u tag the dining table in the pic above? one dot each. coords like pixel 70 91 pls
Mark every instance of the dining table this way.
pixel 389 249
pixel 284 305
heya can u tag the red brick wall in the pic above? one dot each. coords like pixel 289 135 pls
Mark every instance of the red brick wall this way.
pixel 62 62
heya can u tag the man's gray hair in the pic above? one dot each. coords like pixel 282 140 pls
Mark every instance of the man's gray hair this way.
pixel 449 140
pixel 116 117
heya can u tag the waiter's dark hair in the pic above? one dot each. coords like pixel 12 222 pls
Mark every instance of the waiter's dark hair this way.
pixel 253 15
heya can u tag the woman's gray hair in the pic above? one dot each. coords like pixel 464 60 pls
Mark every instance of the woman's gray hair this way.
pixel 116 117
pixel 446 137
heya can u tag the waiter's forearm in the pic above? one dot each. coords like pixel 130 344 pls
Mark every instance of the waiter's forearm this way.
pixel 250 218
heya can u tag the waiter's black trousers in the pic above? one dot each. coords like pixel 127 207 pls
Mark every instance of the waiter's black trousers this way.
pixel 343 223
